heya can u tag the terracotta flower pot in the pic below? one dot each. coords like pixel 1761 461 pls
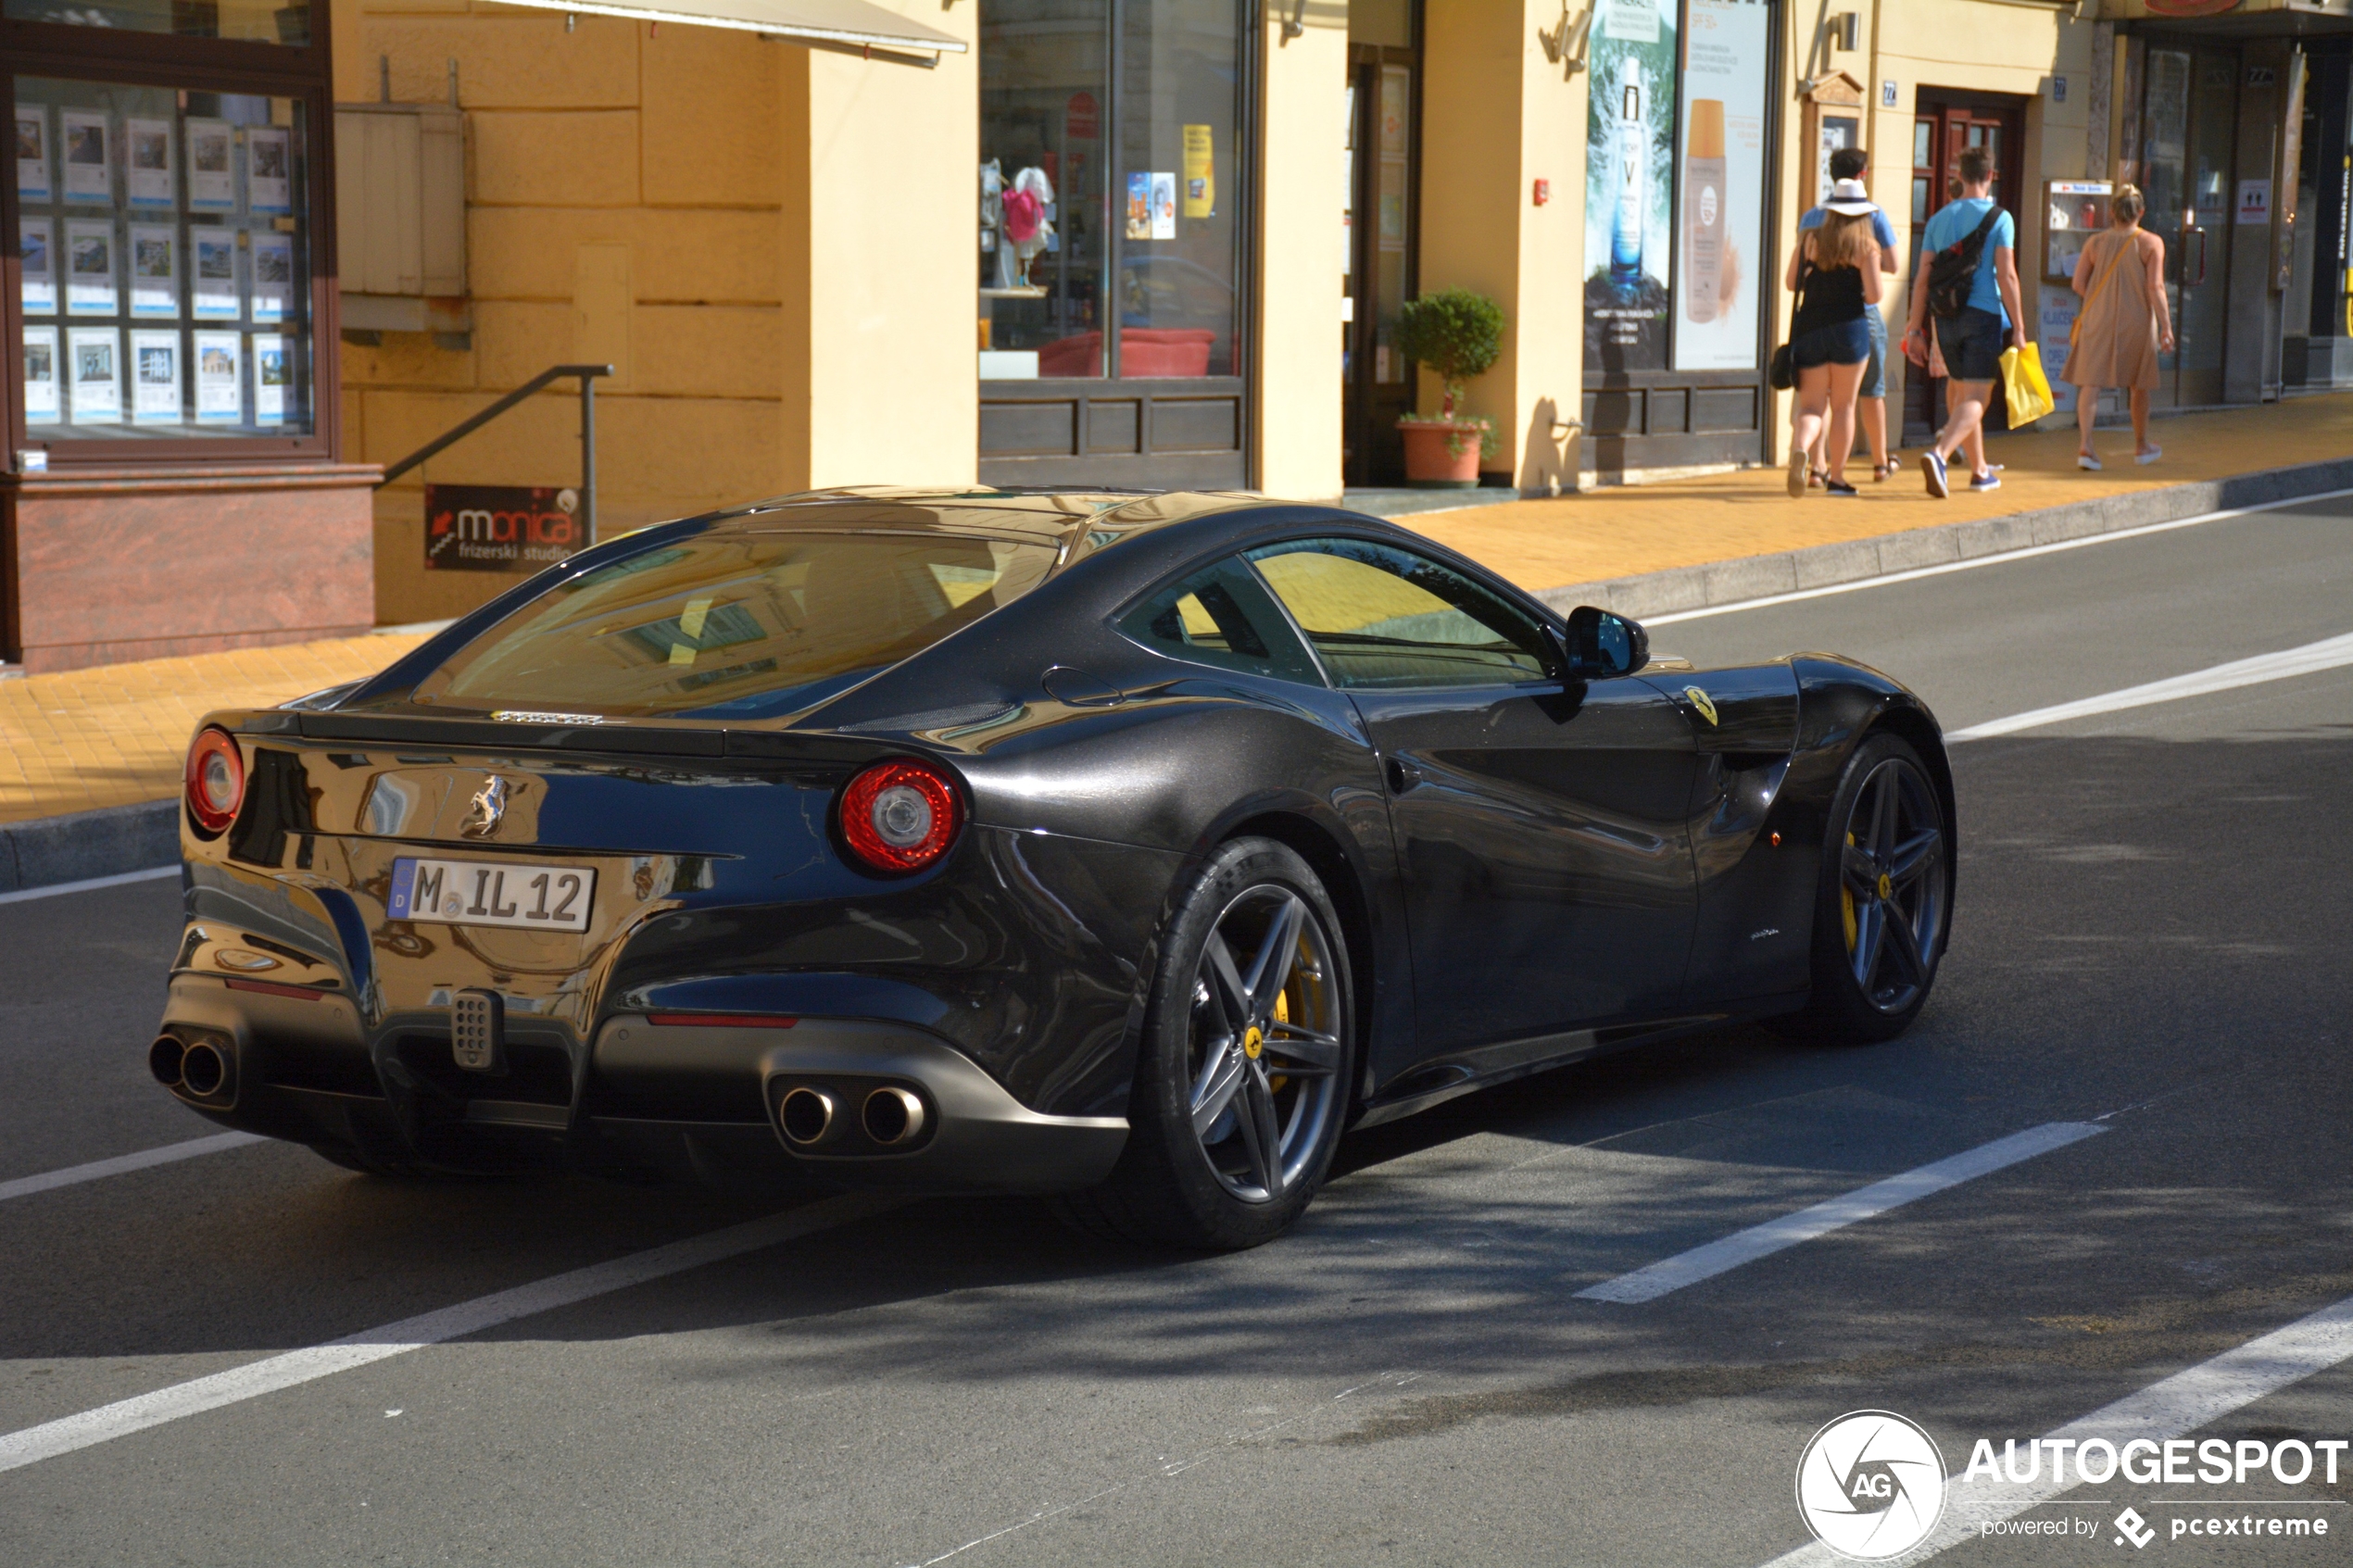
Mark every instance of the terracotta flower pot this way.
pixel 1429 462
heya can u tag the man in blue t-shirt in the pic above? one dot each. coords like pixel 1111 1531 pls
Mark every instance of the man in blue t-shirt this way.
pixel 1852 163
pixel 1972 341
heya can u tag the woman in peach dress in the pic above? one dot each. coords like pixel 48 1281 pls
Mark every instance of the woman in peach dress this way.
pixel 2125 323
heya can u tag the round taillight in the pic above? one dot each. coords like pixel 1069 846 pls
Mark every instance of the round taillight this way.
pixel 216 780
pixel 900 815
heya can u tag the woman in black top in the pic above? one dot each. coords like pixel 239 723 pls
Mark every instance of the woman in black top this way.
pixel 1834 273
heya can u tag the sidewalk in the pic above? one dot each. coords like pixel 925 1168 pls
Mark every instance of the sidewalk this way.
pixel 115 736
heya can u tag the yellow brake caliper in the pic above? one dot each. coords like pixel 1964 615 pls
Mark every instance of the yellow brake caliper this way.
pixel 1846 899
pixel 1282 1015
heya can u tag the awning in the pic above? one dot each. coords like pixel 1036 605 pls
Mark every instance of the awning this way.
pixel 853 25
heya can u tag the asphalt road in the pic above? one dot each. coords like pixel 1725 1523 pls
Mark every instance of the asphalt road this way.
pixel 2152 909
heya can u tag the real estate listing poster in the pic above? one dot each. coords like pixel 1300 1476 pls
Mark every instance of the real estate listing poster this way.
pixel 1630 184
pixel 219 389
pixel 155 378
pixel 32 153
pixel 272 276
pixel 89 166
pixel 149 163
pixel 1721 130
pixel 42 403
pixel 37 258
pixel 269 187
pixel 93 358
pixel 269 378
pixel 154 271
pixel 213 179
pixel 216 274
pixel 90 271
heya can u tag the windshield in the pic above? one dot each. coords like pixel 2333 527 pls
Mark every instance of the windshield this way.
pixel 735 625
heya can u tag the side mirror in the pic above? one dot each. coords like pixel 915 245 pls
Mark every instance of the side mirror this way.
pixel 1599 645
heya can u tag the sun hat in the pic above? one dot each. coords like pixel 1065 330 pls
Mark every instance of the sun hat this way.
pixel 1850 198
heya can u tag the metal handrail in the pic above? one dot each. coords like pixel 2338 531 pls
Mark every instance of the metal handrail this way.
pixel 457 432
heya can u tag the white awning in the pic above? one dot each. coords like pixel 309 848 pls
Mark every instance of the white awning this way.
pixel 831 24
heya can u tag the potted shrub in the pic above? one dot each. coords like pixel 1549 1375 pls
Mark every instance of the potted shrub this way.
pixel 1458 334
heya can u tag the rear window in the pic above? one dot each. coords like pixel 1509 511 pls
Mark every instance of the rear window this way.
pixel 740 626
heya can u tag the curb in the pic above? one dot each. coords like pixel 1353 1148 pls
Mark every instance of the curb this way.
pixel 1789 572
pixel 82 845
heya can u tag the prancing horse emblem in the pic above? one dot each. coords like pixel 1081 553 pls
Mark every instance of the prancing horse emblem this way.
pixel 1702 701
pixel 489 805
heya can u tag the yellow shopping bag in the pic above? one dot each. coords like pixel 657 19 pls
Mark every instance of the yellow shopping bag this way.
pixel 2024 387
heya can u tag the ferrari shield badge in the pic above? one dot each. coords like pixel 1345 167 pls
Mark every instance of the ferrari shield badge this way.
pixel 1701 700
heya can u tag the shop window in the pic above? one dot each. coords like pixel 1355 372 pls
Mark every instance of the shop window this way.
pixel 1110 201
pixel 165 256
pixel 252 22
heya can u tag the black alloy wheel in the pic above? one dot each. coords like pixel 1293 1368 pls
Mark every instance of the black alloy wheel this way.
pixel 1882 913
pixel 1242 1082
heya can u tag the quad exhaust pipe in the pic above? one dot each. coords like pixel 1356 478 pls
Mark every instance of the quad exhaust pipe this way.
pixel 200 1068
pixel 806 1115
pixel 892 1115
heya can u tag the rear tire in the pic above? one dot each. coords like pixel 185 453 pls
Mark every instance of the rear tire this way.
pixel 1242 1081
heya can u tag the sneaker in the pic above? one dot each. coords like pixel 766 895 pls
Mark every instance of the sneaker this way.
pixel 1797 471
pixel 1989 480
pixel 2152 455
pixel 1839 487
pixel 2086 461
pixel 1932 467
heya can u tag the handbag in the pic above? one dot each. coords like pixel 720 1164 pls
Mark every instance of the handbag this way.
pixel 2025 391
pixel 1780 373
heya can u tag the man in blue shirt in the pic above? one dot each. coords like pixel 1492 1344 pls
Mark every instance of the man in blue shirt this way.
pixel 1852 163
pixel 1972 341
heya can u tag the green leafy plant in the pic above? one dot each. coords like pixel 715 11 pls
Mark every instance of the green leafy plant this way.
pixel 1454 332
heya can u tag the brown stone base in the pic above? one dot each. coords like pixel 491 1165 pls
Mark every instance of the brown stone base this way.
pixel 109 565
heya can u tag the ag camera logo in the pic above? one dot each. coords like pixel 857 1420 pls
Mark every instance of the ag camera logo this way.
pixel 1871 1486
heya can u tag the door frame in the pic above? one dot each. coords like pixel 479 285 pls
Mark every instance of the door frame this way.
pixel 1369 455
pixel 1950 112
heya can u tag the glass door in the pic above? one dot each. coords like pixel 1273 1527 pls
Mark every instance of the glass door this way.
pixel 2190 113
pixel 1380 260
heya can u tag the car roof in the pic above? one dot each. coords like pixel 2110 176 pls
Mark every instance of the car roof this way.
pixel 1089 518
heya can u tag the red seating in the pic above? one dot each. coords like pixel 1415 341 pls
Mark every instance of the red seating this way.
pixel 1143 351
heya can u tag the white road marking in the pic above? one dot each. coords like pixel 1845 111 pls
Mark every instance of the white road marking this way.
pixel 49 1181
pixel 150 874
pixel 2180 1404
pixel 1654 1280
pixel 33 1444
pixel 2330 653
pixel 1917 572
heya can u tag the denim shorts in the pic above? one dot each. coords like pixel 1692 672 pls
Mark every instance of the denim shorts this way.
pixel 1875 371
pixel 1971 344
pixel 1848 343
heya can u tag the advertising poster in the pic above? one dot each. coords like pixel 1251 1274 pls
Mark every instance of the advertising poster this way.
pixel 499 527
pixel 154 271
pixel 88 171
pixel 155 378
pixel 1139 206
pixel 150 162
pixel 37 255
pixel 272 276
pixel 1200 174
pixel 1165 204
pixel 212 183
pixel 269 378
pixel 268 186
pixel 32 153
pixel 90 281
pixel 216 274
pixel 93 358
pixel 1630 184
pixel 1726 43
pixel 219 390
pixel 43 404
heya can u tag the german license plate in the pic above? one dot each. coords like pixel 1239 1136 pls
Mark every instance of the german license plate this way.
pixel 485 893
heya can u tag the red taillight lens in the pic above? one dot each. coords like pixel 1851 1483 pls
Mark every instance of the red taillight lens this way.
pixel 900 816
pixel 216 780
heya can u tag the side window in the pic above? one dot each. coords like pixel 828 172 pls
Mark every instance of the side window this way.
pixel 1379 616
pixel 1221 616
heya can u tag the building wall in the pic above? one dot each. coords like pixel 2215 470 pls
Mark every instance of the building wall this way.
pixel 1303 180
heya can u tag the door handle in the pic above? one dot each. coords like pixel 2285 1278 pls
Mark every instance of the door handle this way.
pixel 1402 776
pixel 2199 234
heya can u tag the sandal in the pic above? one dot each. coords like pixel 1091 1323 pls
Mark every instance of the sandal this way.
pixel 1880 470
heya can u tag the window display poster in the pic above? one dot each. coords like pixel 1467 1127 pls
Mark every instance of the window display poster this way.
pixel 43 406
pixel 272 276
pixel 1201 171
pixel 1630 184
pixel 1726 46
pixel 1139 206
pixel 155 378
pixel 150 162
pixel 154 271
pixel 219 390
pixel 216 273
pixel 93 358
pixel 1165 204
pixel 32 152
pixel 212 183
pixel 37 255
pixel 268 187
pixel 88 171
pixel 269 378
pixel 90 285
